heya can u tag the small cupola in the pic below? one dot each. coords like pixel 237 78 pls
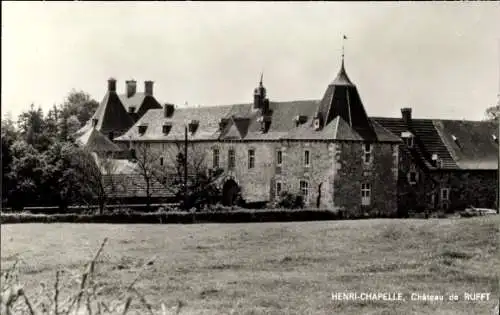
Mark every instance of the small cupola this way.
pixel 259 95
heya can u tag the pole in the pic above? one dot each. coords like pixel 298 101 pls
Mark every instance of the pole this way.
pixel 185 165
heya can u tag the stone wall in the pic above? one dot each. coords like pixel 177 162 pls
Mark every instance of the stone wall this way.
pixel 352 172
pixel 476 188
pixel 334 175
pixel 319 174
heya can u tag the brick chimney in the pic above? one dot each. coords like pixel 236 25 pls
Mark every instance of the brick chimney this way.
pixel 112 85
pixel 168 110
pixel 406 115
pixel 148 88
pixel 131 86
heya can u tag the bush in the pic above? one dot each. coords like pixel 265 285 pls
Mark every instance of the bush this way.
pixel 289 200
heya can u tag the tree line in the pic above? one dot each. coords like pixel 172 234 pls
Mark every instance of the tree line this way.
pixel 41 165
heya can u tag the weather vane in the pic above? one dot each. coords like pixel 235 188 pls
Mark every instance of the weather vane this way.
pixel 343 46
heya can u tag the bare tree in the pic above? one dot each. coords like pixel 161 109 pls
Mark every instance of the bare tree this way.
pixel 185 173
pixel 147 163
pixel 91 177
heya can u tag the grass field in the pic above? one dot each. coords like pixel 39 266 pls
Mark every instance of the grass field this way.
pixel 273 268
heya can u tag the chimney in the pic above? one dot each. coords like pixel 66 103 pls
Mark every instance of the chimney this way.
pixel 168 110
pixel 406 114
pixel 111 85
pixel 148 88
pixel 131 87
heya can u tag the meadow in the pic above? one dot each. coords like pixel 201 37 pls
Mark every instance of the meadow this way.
pixel 270 268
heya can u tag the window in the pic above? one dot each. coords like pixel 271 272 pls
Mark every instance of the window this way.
pixel 306 158
pixel 445 194
pixel 304 189
pixel 215 158
pixel 230 159
pixel 161 161
pixel 366 192
pixel 279 187
pixel 251 158
pixel 166 128
pixel 408 138
pixel 367 153
pixel 142 129
pixel 279 158
pixel 409 141
pixel 412 177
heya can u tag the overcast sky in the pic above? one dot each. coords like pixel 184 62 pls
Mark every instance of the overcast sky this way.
pixel 441 59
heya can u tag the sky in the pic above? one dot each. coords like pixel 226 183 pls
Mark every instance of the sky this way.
pixel 440 59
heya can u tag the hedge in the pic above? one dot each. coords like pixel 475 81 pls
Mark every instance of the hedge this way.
pixel 231 216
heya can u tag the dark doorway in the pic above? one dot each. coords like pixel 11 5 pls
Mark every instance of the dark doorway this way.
pixel 318 200
pixel 230 192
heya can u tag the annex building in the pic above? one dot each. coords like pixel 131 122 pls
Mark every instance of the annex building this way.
pixel 328 150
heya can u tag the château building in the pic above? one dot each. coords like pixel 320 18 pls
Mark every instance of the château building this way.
pixel 329 150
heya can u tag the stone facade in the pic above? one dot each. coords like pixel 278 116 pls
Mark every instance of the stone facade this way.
pixel 334 173
pixel 478 188
pixel 380 174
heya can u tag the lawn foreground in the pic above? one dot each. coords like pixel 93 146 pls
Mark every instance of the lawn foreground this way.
pixel 270 268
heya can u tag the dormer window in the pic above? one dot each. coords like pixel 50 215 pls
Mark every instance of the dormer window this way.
pixel 437 161
pixel 222 123
pixel 317 124
pixel 265 123
pixel 193 126
pixel 166 128
pixel 455 139
pixel 408 138
pixel 142 129
pixel 300 119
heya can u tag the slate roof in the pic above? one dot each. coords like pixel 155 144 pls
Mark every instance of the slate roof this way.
pixel 141 101
pixel 95 141
pixel 341 99
pixel 243 124
pixel 111 116
pixel 475 149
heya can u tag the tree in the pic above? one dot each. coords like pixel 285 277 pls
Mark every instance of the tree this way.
pixel 92 171
pixel 147 164
pixel 9 136
pixel 493 112
pixel 79 104
pixel 25 174
pixel 198 187
pixel 33 129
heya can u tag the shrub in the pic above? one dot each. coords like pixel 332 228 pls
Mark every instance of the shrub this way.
pixel 289 200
